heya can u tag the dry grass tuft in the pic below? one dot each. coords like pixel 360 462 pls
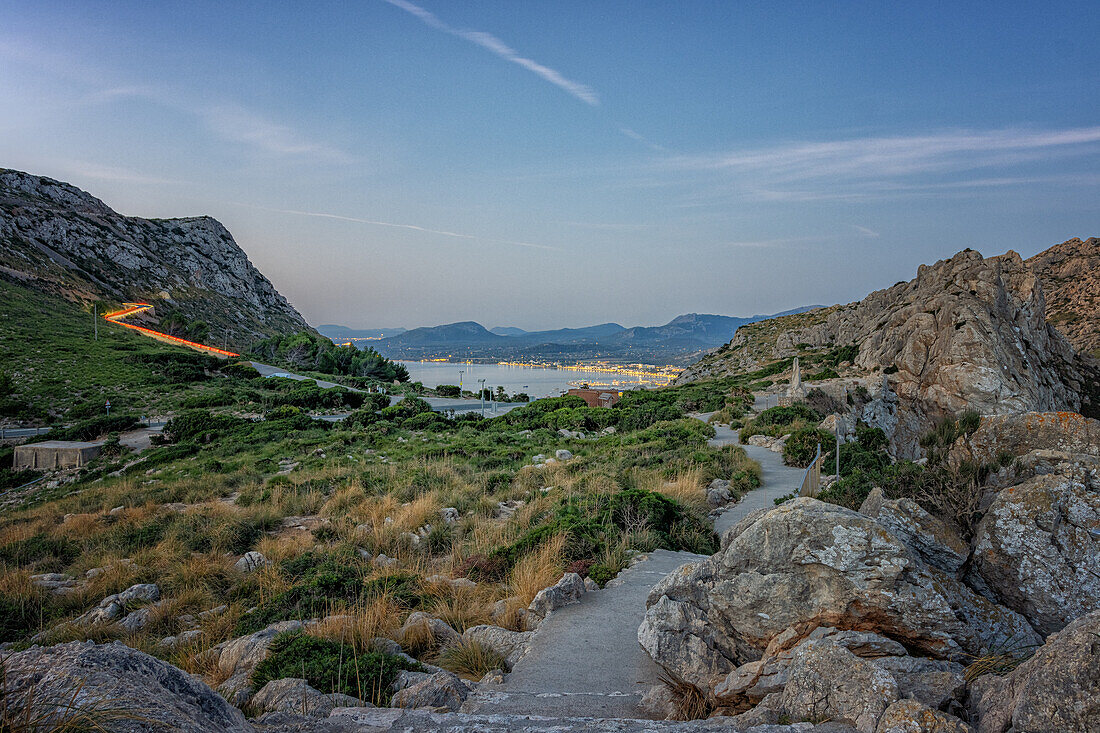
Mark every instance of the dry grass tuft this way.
pixel 691 703
pixel 538 569
pixel 360 624
pixel 471 659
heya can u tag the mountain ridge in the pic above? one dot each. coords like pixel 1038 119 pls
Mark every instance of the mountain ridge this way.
pixel 64 241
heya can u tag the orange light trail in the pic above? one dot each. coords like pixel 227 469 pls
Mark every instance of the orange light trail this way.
pixel 131 308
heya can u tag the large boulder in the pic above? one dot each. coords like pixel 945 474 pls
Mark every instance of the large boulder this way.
pixel 567 591
pixel 807 564
pixel 123 689
pixel 932 539
pixel 1058 689
pixel 1038 550
pixel 913 716
pixel 238 659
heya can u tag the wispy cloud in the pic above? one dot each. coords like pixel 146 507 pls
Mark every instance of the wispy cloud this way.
pixel 393 225
pixel 633 135
pixel 897 156
pixel 494 45
pixel 96 171
pixel 238 124
pixel 864 231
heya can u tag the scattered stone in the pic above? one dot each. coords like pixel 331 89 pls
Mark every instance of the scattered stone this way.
pixel 563 455
pixel 114 606
pixel 566 591
pixel 116 511
pixel 215 611
pixel 184 637
pixel 384 562
pixel 506 509
pixel 294 695
pixel 441 631
pixel 493 677
pixel 57 583
pixel 250 562
pixel 590 585
pixel 440 690
pixel 718 493
pixel 450 514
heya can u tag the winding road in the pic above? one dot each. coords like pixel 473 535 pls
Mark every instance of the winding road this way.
pixel 585 660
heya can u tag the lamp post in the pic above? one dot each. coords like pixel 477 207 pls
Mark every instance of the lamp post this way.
pixel 460 373
pixel 481 393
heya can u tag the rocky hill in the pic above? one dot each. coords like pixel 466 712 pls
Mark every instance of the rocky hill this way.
pixel 64 241
pixel 967 333
pixel 1070 273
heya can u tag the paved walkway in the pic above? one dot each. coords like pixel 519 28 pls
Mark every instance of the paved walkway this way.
pixel 585 660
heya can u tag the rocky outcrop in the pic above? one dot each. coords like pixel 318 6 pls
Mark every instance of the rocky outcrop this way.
pixel 967 333
pixel 1019 434
pixel 511 645
pixel 1070 273
pixel 122 689
pixel 912 716
pixel 1058 689
pixel 1038 550
pixel 807 564
pixel 62 240
pixel 567 591
pixel 440 690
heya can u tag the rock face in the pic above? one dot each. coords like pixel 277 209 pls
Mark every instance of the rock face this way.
pixel 440 690
pixel 149 694
pixel 967 333
pixel 63 240
pixel 1036 550
pixel 807 564
pixel 1062 432
pixel 1070 272
pixel 1058 689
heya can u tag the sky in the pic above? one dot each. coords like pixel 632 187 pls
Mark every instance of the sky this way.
pixel 547 164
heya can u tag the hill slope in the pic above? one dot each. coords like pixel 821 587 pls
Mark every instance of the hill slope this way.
pixel 61 240
pixel 1070 272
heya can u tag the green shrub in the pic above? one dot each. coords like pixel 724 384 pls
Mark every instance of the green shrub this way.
pixel 48 554
pixel 91 429
pixel 802 445
pixel 283 412
pixel 332 667
pixel 448 390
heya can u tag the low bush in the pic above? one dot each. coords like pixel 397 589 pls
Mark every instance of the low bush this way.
pixel 332 667
pixel 802 446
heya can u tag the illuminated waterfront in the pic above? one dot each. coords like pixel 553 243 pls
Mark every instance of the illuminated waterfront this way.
pixel 541 380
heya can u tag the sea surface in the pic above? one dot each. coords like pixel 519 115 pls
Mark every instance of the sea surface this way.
pixel 535 381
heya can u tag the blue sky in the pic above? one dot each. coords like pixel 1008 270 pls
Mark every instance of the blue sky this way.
pixel 400 163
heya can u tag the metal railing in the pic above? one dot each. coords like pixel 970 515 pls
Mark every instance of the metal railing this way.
pixel 811 480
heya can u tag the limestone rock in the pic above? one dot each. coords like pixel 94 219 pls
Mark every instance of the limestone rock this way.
pixel 1058 689
pixel 114 676
pixel 936 543
pixel 57 583
pixel 250 561
pixel 66 238
pixel 511 645
pixel 718 493
pixel 563 455
pixel 1070 272
pixel 1020 433
pixel 440 690
pixel 566 591
pixel 827 682
pixel 441 631
pixel 912 716
pixel 807 564
pixel 937 683
pixel 1035 549
pixel 450 514
pixel 294 695
pixel 114 606
pixel 239 658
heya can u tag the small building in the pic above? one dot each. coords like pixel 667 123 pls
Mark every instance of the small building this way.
pixel 55 454
pixel 596 397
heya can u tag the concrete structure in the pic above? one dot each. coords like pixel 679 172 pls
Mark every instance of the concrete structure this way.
pixel 596 397
pixel 796 392
pixel 55 454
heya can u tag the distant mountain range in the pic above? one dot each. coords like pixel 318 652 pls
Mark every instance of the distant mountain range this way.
pixel 678 341
pixel 336 333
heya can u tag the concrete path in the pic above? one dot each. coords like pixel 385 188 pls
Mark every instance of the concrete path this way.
pixel 585 659
pixel 777 480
